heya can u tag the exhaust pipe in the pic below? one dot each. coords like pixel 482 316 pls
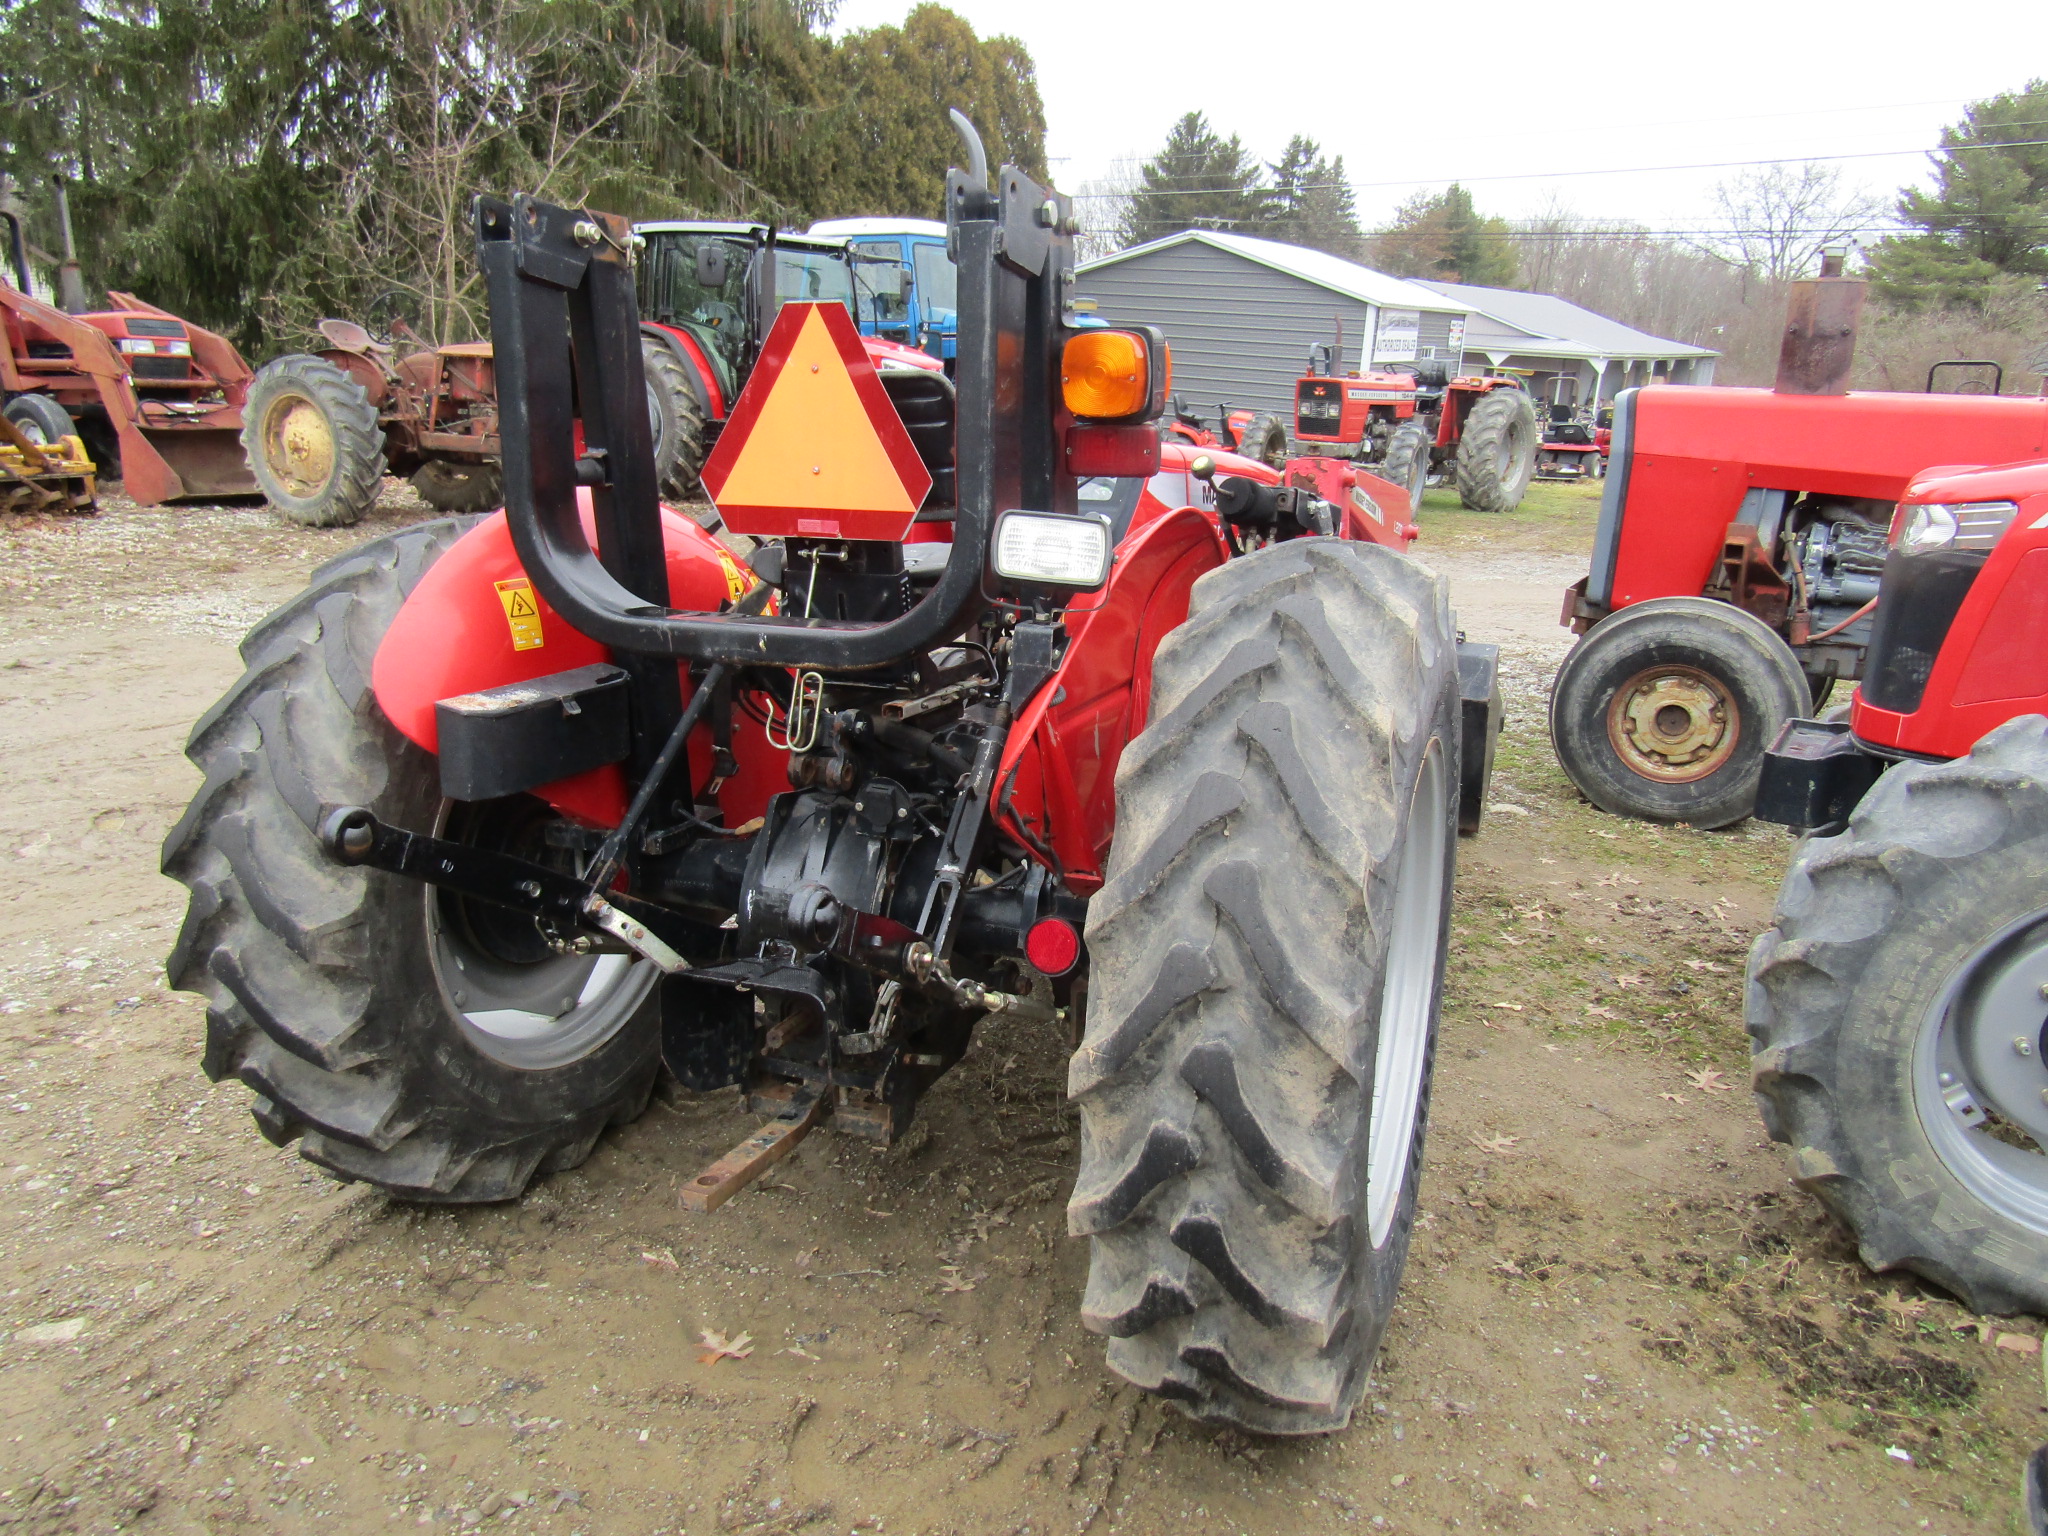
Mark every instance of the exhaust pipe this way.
pixel 1821 316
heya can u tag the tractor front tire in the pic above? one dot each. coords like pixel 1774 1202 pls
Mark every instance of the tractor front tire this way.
pixel 1267 967
pixel 407 1039
pixel 313 440
pixel 678 422
pixel 1264 439
pixel 1895 1012
pixel 41 420
pixel 1406 463
pixel 457 487
pixel 1497 451
pixel 1663 710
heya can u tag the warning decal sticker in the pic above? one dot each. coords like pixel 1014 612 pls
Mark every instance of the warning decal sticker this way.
pixel 522 614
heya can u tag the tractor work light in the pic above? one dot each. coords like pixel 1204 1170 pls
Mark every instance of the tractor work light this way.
pixel 1972 526
pixel 1054 549
pixel 1116 375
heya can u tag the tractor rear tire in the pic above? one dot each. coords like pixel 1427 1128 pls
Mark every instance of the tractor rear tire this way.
pixel 1895 1014
pixel 42 420
pixel 314 441
pixel 459 488
pixel 678 422
pixel 1264 439
pixel 405 1039
pixel 1497 451
pixel 1406 463
pixel 1268 962
pixel 1663 710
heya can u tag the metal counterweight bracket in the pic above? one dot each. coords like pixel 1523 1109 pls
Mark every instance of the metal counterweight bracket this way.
pixel 351 835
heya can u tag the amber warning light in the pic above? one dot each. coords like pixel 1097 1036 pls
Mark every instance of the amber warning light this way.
pixel 1116 375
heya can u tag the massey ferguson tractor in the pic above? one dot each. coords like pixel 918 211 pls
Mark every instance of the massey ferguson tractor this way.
pixel 1898 1006
pixel 508 814
pixel 1737 561
pixel 1410 424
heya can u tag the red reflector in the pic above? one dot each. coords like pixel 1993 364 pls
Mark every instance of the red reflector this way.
pixel 1112 451
pixel 1052 945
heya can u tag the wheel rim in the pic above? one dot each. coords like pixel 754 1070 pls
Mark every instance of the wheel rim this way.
pixel 518 1001
pixel 1407 999
pixel 1980 1085
pixel 32 429
pixel 298 444
pixel 1673 724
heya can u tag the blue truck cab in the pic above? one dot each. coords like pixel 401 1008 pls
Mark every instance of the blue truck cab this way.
pixel 916 303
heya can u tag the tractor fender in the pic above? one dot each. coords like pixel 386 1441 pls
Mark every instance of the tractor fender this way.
pixel 1056 782
pixel 366 371
pixel 475 621
pixel 696 367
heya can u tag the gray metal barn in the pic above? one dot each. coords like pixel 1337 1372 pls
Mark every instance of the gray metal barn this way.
pixel 1241 313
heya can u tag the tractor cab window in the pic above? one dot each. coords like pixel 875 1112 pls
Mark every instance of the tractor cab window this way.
pixel 671 294
pixel 882 301
pixel 938 284
pixel 813 276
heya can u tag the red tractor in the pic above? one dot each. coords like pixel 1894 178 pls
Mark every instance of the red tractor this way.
pixel 1252 434
pixel 1572 448
pixel 569 794
pixel 1737 560
pixel 157 400
pixel 1412 423
pixel 1896 1005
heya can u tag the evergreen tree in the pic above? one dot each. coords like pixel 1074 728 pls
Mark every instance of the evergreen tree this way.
pixel 1987 214
pixel 1312 201
pixel 885 146
pixel 1442 236
pixel 1199 180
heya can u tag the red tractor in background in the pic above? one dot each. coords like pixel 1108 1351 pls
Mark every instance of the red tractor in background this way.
pixel 1572 448
pixel 157 400
pixel 1251 434
pixel 1737 563
pixel 1008 717
pixel 1896 1005
pixel 1409 424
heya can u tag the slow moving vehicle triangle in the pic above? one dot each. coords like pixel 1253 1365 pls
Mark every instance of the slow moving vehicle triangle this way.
pixel 814 448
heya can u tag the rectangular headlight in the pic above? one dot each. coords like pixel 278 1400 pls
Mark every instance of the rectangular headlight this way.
pixel 136 344
pixel 1056 549
pixel 177 348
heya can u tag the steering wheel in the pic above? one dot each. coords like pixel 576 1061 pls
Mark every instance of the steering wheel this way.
pixel 715 314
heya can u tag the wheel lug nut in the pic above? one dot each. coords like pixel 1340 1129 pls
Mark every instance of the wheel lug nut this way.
pixel 2023 1045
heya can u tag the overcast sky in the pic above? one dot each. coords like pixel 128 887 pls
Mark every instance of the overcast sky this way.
pixel 1486 93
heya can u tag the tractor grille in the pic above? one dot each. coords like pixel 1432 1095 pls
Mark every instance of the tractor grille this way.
pixel 1318 408
pixel 162 368
pixel 141 326
pixel 925 402
pixel 1922 594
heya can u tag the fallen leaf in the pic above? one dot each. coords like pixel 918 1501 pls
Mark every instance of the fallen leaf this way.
pixel 1707 1080
pixel 799 1351
pixel 950 1280
pixel 1509 1267
pixel 717 1347
pixel 2019 1343
pixel 1674 1098
pixel 1628 981
pixel 1598 1011
pixel 1495 1144
pixel 1553 1049
pixel 661 1258
pixel 1704 965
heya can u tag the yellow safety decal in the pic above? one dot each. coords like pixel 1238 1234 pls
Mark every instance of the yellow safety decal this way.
pixel 736 580
pixel 522 614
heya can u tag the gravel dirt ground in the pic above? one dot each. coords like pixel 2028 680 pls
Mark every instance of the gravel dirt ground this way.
pixel 1619 1315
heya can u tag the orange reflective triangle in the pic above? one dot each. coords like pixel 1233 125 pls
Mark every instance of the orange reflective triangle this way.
pixel 814 448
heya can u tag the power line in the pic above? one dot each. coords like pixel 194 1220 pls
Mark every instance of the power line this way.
pixel 1625 170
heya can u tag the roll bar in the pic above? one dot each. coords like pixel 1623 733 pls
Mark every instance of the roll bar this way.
pixel 566 339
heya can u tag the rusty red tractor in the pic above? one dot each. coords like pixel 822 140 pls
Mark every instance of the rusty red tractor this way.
pixel 1737 562
pixel 1896 1005
pixel 1410 424
pixel 1006 718
pixel 157 400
